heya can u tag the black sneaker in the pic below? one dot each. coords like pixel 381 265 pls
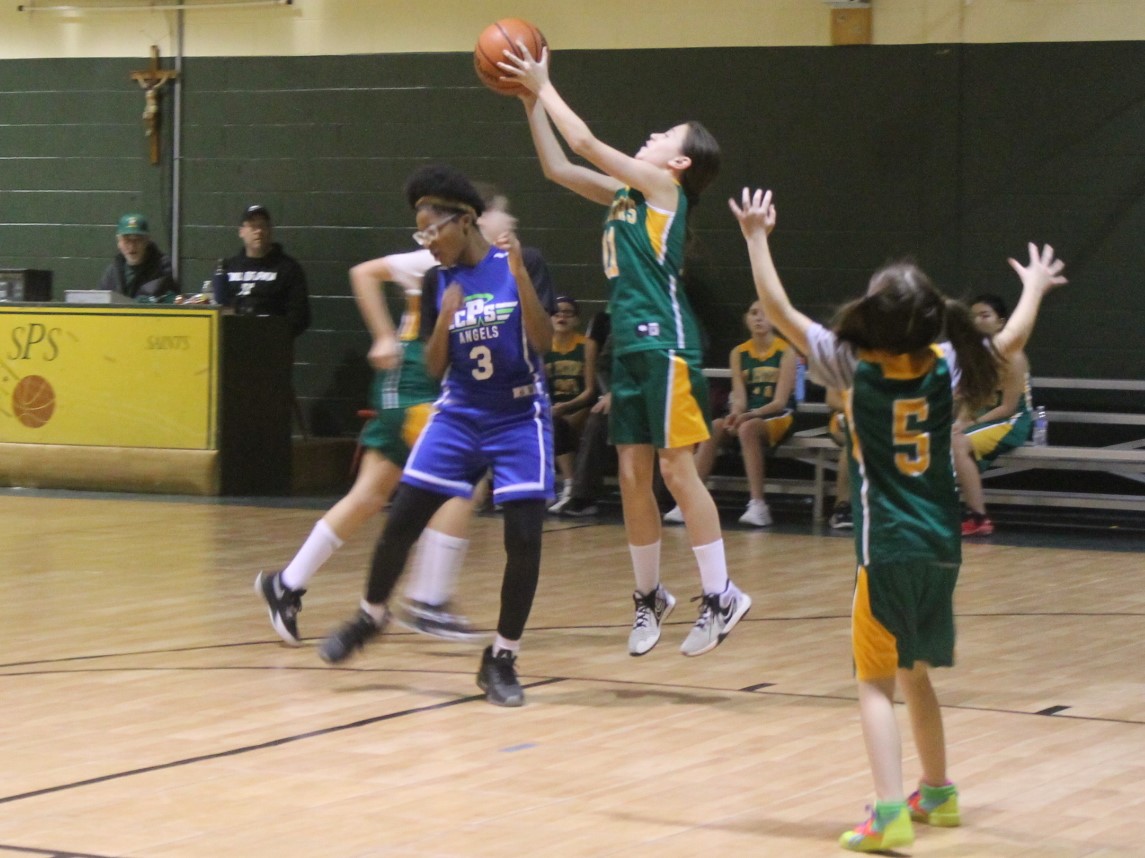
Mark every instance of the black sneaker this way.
pixel 579 507
pixel 436 621
pixel 283 605
pixel 349 637
pixel 498 678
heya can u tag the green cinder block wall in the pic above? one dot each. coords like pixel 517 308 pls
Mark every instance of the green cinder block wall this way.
pixel 955 155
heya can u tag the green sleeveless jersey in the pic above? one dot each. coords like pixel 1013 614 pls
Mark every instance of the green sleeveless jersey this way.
pixel 643 250
pixel 565 371
pixel 900 411
pixel 760 372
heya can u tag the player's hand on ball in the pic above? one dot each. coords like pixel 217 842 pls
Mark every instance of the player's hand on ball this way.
pixel 531 72
pixel 755 212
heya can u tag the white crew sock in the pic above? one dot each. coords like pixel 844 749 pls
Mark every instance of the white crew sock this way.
pixel 646 566
pixel 713 566
pixel 436 565
pixel 377 612
pixel 316 550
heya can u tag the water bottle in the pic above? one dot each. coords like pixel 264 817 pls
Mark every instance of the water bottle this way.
pixel 800 380
pixel 1041 427
pixel 218 282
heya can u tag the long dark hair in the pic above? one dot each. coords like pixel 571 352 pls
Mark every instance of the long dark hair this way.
pixel 702 148
pixel 903 313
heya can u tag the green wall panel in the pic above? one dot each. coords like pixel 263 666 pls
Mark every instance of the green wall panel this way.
pixel 955 155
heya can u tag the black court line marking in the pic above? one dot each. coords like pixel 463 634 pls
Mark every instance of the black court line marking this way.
pixel 1052 710
pixel 50 853
pixel 758 686
pixel 273 743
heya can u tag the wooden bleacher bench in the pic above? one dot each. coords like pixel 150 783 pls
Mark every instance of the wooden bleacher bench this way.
pixel 1125 460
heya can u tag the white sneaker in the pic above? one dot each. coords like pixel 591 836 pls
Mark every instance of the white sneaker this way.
pixel 651 611
pixel 674 516
pixel 563 500
pixel 719 614
pixel 757 514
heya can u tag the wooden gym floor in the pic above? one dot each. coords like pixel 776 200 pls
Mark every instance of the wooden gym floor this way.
pixel 149 710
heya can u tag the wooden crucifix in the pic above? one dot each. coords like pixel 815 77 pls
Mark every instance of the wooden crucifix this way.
pixel 152 81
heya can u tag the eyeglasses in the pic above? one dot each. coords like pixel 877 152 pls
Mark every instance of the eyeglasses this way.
pixel 424 236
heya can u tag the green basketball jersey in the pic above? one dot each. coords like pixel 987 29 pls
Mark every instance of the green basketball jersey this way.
pixel 900 411
pixel 761 371
pixel 643 250
pixel 565 371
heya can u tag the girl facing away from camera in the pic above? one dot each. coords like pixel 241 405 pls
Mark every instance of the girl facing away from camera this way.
pixel 659 395
pixel 899 388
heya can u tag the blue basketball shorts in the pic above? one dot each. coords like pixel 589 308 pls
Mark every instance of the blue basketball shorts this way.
pixel 457 447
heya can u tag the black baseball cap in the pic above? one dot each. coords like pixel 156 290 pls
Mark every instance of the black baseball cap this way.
pixel 251 212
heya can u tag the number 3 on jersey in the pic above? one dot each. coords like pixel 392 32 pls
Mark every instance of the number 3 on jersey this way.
pixel 484 360
pixel 909 413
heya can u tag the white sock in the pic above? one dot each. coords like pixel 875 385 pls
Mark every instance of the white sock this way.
pixel 501 644
pixel 376 612
pixel 646 566
pixel 316 550
pixel 436 565
pixel 713 566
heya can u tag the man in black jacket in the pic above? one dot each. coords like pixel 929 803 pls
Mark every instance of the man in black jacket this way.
pixel 140 270
pixel 262 280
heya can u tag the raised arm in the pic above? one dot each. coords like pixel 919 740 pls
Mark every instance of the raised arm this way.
pixel 1042 274
pixel 757 217
pixel 656 183
pixel 555 163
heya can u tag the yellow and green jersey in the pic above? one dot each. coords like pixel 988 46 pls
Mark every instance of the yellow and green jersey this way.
pixel 900 413
pixel 565 370
pixel 760 371
pixel 643 253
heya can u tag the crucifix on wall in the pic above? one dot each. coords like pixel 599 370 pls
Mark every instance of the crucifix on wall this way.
pixel 152 81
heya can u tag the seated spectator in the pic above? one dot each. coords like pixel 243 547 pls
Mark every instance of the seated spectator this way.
pixel 592 454
pixel 980 438
pixel 261 280
pixel 761 412
pixel 569 368
pixel 140 270
pixel 841 517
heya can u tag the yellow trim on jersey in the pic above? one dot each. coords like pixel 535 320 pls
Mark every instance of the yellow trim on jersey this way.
pixel 658 223
pixel 411 318
pixel 577 339
pixel 902 366
pixel 873 647
pixel 777 344
pixel 683 419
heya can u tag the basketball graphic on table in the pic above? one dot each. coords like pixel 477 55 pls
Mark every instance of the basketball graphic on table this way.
pixel 33 401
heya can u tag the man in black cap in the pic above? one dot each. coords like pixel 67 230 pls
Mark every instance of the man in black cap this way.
pixel 140 270
pixel 262 280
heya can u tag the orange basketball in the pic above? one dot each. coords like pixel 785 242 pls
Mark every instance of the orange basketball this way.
pixel 497 38
pixel 33 401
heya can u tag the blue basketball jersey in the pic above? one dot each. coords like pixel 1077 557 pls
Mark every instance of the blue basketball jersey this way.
pixel 491 366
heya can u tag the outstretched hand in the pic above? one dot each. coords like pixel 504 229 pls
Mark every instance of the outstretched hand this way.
pixel 1043 272
pixel 756 213
pixel 530 72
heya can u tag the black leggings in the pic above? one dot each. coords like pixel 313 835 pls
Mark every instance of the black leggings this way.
pixel 410 513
